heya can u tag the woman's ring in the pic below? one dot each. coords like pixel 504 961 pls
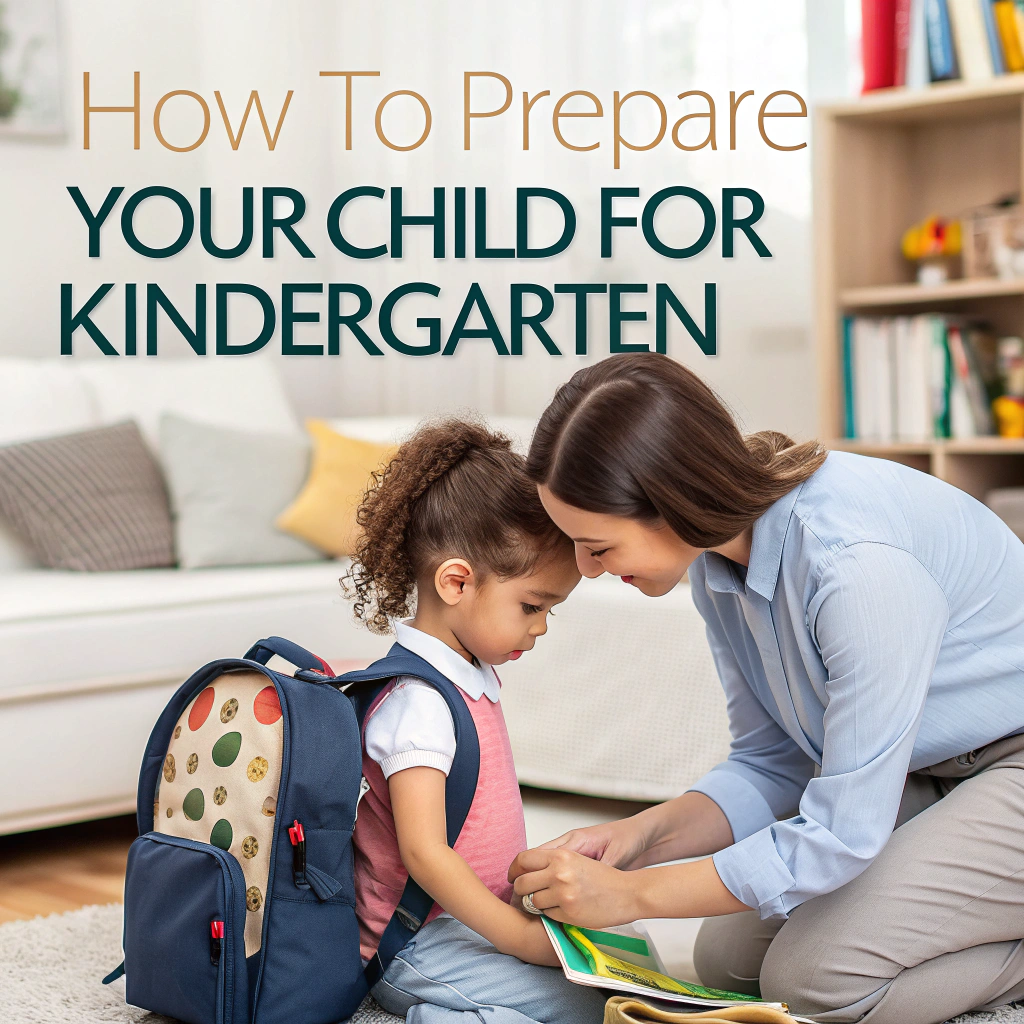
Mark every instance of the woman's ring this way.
pixel 529 907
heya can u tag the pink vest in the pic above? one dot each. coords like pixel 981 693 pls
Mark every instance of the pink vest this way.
pixel 494 832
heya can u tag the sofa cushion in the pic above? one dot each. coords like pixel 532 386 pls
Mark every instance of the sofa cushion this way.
pixel 42 398
pixel 14 553
pixel 65 627
pixel 238 391
pixel 93 500
pixel 324 512
pixel 227 487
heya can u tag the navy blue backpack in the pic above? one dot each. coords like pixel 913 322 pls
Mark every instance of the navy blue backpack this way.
pixel 239 893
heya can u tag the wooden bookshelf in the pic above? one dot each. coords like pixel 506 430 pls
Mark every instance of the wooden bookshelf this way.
pixel 882 163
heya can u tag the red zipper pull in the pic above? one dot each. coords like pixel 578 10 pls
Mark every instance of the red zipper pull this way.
pixel 298 839
pixel 216 938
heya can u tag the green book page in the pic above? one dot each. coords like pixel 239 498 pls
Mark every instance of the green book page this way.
pixel 627 943
pixel 582 962
pixel 574 959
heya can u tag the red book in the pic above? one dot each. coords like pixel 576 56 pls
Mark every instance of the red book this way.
pixel 878 43
pixel 902 41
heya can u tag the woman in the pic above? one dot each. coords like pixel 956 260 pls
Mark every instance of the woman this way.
pixel 867 623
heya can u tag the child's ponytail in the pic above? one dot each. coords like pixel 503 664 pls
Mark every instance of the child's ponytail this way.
pixel 453 489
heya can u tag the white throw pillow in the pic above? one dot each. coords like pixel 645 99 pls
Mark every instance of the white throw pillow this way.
pixel 224 391
pixel 227 488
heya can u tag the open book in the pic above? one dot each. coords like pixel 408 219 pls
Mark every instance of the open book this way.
pixel 625 959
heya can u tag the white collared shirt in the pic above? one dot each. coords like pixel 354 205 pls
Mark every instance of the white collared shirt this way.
pixel 412 726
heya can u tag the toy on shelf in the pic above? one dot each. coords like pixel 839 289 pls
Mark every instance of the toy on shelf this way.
pixel 994 240
pixel 934 245
pixel 1009 407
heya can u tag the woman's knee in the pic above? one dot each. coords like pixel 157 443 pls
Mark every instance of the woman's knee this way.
pixel 729 950
pixel 810 967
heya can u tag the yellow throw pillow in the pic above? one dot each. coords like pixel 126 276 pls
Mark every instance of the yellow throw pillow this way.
pixel 324 512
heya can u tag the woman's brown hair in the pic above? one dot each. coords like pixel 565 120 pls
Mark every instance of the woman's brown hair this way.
pixel 642 437
pixel 455 488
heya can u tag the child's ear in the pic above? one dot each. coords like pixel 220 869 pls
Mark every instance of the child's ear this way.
pixel 451 578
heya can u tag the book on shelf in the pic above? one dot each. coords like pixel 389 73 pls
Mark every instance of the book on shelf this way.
pixel 941 55
pixel 971 39
pixel 914 42
pixel 917 73
pixel 1009 21
pixel 901 41
pixel 878 43
pixel 992 37
pixel 917 378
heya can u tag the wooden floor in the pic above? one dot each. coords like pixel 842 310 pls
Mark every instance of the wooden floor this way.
pixel 59 869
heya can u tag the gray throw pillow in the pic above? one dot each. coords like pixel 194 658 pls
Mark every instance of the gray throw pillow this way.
pixel 93 500
pixel 227 488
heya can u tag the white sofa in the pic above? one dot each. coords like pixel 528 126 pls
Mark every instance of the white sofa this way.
pixel 89 659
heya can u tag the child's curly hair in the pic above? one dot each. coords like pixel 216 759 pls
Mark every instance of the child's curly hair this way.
pixel 455 488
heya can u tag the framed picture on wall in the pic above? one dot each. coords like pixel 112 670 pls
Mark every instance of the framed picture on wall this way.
pixel 30 69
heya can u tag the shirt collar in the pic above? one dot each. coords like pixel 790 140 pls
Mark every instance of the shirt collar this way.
pixel 474 679
pixel 765 553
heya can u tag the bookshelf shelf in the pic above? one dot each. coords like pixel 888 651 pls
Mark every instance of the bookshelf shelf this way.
pixel 934 295
pixel 941 100
pixel 982 445
pixel 881 163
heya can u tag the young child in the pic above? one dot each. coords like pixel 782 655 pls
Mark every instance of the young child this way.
pixel 453 528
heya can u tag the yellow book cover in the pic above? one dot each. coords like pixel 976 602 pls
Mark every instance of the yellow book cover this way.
pixel 1008 21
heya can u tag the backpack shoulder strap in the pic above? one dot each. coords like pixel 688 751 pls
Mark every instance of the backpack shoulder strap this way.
pixel 362 688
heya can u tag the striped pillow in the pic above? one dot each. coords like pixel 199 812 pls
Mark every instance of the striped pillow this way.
pixel 93 500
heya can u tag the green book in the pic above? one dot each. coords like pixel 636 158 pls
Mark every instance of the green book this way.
pixel 625 959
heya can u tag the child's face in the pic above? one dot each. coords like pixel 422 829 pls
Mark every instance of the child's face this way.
pixel 499 620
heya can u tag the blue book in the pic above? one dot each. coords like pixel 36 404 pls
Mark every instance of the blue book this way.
pixel 850 425
pixel 995 44
pixel 941 54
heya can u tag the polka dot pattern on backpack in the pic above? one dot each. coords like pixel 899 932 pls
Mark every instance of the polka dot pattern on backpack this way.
pixel 220 779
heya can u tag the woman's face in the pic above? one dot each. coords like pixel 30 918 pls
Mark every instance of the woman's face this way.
pixel 652 559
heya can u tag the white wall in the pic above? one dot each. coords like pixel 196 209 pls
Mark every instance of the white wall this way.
pixel 765 366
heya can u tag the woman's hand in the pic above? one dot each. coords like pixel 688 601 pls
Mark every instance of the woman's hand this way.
pixel 617 843
pixel 572 887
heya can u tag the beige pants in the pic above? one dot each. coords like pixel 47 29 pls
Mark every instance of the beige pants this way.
pixel 934 927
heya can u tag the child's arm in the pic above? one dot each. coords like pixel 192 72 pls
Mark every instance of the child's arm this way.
pixel 417 801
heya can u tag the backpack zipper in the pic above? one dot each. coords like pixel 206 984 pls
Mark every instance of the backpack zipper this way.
pixel 282 789
pixel 364 788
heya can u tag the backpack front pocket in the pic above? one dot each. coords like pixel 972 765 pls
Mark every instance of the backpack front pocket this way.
pixel 184 931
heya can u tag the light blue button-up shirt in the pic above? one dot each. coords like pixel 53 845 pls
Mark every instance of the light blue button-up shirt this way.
pixel 878 629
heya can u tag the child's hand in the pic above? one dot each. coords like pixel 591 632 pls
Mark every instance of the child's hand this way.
pixel 533 944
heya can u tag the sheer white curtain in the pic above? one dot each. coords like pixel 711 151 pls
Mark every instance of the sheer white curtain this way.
pixel 667 46
pixel 765 364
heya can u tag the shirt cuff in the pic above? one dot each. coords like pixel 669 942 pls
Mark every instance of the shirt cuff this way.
pixel 740 801
pixel 755 874
pixel 415 759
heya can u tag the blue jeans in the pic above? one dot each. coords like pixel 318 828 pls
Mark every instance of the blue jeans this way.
pixel 447 974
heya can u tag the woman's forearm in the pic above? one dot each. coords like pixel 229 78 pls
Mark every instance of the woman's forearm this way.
pixel 683 890
pixel 691 825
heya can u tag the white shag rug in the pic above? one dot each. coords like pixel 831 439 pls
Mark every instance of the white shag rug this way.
pixel 50 971
pixel 51 968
